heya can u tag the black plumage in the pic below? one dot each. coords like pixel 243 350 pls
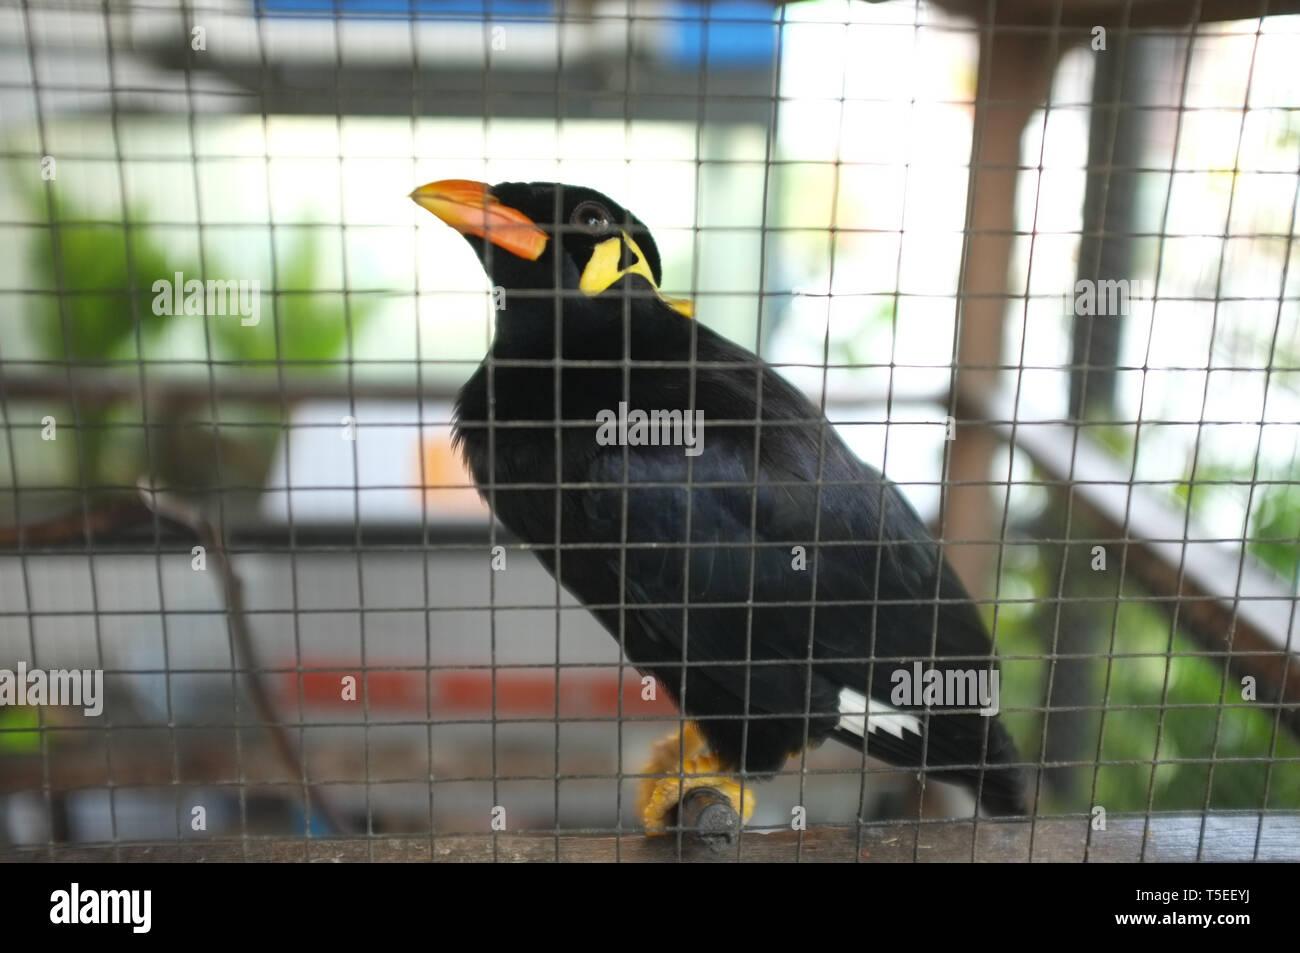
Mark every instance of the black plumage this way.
pixel 875 594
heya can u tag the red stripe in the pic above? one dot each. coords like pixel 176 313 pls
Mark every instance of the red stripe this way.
pixel 520 693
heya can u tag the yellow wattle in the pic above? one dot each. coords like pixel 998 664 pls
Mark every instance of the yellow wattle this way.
pixel 602 271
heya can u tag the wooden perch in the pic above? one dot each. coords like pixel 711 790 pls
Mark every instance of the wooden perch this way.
pixel 707 817
pixel 1171 837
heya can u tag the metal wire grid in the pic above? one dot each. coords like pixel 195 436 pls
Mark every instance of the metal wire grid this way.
pixel 294 548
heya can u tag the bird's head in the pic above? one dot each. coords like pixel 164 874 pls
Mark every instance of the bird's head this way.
pixel 544 238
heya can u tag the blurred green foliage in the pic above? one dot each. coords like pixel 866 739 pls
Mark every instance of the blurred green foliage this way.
pixel 97 314
pixel 99 311
pixel 306 320
pixel 1164 701
pixel 1273 526
pixel 20 729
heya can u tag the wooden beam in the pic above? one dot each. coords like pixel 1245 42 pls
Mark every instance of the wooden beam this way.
pixel 1084 14
pixel 263 386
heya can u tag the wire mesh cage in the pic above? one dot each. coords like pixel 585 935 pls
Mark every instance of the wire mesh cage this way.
pixel 1035 263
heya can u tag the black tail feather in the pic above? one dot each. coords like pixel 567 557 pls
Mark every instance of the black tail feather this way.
pixel 999 782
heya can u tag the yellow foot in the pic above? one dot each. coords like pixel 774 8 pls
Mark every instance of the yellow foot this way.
pixel 685 754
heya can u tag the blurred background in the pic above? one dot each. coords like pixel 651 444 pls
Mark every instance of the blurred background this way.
pixel 842 186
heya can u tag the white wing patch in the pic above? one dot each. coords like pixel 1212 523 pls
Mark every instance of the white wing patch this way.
pixel 860 715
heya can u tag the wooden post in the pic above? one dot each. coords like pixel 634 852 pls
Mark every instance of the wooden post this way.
pixel 1014 74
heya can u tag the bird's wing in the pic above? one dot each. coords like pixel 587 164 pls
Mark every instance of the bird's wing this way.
pixel 740 590
pixel 780 545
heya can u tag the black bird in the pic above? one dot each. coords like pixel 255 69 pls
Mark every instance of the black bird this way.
pixel 781 590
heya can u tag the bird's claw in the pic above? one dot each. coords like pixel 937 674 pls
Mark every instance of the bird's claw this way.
pixel 661 796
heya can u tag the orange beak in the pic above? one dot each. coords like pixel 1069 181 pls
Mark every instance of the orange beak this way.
pixel 472 209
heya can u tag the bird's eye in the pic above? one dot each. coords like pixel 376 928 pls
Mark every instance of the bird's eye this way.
pixel 591 217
